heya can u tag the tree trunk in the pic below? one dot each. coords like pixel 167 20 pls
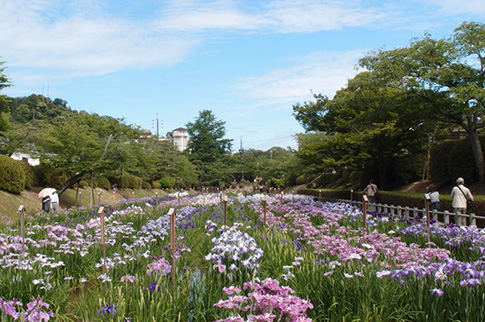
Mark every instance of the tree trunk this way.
pixel 477 152
pixel 70 183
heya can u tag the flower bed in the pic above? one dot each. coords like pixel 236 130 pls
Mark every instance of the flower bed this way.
pixel 311 261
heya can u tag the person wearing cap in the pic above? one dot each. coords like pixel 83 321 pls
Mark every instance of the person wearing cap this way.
pixel 459 197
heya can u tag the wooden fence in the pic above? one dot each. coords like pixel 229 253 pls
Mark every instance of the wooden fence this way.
pixel 412 212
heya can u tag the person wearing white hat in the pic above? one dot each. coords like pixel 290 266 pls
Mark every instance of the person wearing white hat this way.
pixel 459 197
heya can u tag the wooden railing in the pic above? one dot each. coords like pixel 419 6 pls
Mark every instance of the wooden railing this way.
pixel 412 212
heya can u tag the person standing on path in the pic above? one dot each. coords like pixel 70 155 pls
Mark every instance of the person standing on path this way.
pixel 371 191
pixel 459 197
pixel 434 198
pixel 46 203
pixel 54 201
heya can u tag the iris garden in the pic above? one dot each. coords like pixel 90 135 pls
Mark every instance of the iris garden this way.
pixel 292 259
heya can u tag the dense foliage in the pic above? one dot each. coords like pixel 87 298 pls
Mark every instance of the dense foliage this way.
pixel 12 175
pixel 388 116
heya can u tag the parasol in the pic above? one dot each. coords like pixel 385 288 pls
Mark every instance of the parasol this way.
pixel 45 192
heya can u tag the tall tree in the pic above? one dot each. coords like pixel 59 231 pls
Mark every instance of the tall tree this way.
pixel 449 74
pixel 4 110
pixel 367 125
pixel 85 144
pixel 207 142
pixel 209 150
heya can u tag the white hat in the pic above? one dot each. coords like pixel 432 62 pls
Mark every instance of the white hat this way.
pixel 460 180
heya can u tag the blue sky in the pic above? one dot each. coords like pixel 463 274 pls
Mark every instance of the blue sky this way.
pixel 247 61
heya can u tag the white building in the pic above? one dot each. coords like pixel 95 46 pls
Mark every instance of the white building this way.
pixel 180 138
pixel 26 158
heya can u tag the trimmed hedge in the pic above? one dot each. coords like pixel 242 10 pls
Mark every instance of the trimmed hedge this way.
pixel 12 175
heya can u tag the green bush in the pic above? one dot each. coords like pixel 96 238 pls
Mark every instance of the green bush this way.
pixel 156 185
pixel 452 159
pixel 12 175
pixel 167 182
pixel 102 182
pixel 49 176
pixel 30 178
pixel 146 185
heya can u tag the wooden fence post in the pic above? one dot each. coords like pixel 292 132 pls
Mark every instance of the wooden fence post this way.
pixel 264 211
pixel 447 217
pixel 473 219
pixel 364 214
pixel 224 198
pixel 426 204
pixel 114 198
pixel 21 211
pixel 171 213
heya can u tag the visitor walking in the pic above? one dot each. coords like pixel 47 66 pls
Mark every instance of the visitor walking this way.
pixel 434 198
pixel 372 192
pixel 54 201
pixel 46 203
pixel 461 199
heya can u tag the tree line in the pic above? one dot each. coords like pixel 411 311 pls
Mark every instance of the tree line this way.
pixel 77 146
pixel 387 123
pixel 402 104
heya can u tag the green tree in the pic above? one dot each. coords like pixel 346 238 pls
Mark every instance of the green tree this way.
pixel 4 110
pixel 448 74
pixel 207 142
pixel 367 125
pixel 85 145
pixel 209 148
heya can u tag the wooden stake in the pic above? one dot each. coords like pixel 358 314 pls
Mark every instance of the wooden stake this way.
pixel 171 213
pixel 21 211
pixel 426 204
pixel 114 199
pixel 224 199
pixel 264 212
pixel 134 197
pixel 103 242
pixel 364 214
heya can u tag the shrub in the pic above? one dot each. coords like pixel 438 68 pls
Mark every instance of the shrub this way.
pixel 30 178
pixel 452 159
pixel 146 185
pixel 12 175
pixel 102 182
pixel 49 176
pixel 156 185
pixel 166 182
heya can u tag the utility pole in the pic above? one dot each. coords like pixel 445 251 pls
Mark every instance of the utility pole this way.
pixel 156 123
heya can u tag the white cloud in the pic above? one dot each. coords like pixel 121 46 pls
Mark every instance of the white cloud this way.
pixel 84 38
pixel 322 72
pixel 454 7
pixel 315 15
pixel 82 43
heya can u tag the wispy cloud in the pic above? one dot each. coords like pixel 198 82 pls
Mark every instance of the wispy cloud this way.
pixel 84 38
pixel 322 72
pixel 454 7
pixel 79 41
